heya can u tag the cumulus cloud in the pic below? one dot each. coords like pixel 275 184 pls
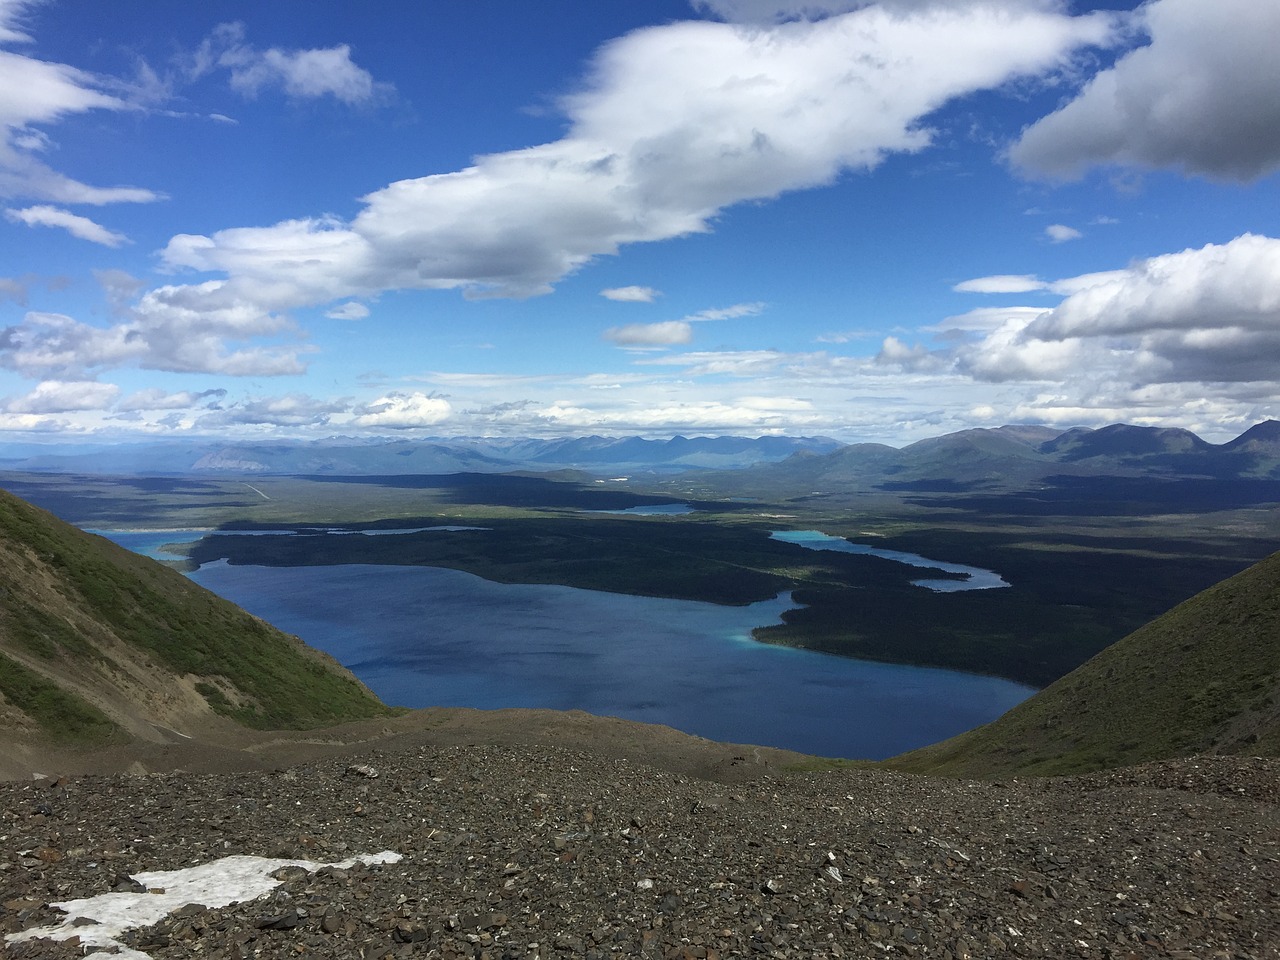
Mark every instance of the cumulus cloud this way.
pixel 291 410
pixel 1231 285
pixel 631 294
pixel 1060 233
pixel 1207 315
pixel 80 227
pixel 674 123
pixel 650 335
pixel 184 329
pixel 1202 97
pixel 645 336
pixel 38 93
pixel 300 74
pixel 57 396
pixel 403 411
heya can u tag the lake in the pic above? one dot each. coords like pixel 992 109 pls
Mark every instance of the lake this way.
pixel 427 636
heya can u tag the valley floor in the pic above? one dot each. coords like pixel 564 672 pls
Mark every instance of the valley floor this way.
pixel 537 850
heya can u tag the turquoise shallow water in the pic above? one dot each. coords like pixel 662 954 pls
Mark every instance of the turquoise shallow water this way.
pixel 975 578
pixel 424 636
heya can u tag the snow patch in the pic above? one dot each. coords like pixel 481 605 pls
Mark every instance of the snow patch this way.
pixel 217 884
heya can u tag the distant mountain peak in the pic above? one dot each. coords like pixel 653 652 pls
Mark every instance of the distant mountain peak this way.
pixel 1125 441
pixel 1267 432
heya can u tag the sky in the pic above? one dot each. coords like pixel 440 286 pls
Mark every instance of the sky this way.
pixel 870 221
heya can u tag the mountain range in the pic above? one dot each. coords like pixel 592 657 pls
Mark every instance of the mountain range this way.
pixel 345 456
pixel 1014 457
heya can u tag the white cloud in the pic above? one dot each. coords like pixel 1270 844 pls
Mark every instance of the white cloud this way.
pixel 80 227
pixel 909 357
pixel 1232 285
pixel 1203 97
pixel 1029 283
pixel 56 396
pixel 301 74
pixel 291 410
pixel 1060 233
pixel 1007 354
pixel 674 124
pixel 404 411
pixel 985 319
pixel 52 344
pixel 649 335
pixel 774 11
pixel 631 294
pixel 1002 283
pixel 1209 315
pixel 777 11
pixel 351 310
pixel 669 333
pixel 755 415
pixel 727 313
pixel 186 329
pixel 36 93
pixel 154 398
pixel 745 363
pixel 496 380
pixel 845 336
pixel 12 13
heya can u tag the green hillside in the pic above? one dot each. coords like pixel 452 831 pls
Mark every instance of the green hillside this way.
pixel 1203 678
pixel 97 643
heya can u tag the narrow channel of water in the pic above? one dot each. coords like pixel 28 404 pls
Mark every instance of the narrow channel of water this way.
pixel 975 577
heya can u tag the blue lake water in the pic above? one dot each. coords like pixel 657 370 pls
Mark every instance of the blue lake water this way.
pixel 426 636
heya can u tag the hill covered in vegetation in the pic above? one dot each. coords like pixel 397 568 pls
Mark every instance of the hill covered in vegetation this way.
pixel 1203 678
pixel 98 645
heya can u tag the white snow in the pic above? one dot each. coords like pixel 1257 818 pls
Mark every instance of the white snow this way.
pixel 216 884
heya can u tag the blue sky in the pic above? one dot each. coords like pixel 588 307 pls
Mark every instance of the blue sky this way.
pixel 868 221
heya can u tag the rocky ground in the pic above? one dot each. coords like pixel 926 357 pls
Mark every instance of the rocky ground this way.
pixel 536 851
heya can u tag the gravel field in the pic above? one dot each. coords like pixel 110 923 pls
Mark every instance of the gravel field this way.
pixel 524 851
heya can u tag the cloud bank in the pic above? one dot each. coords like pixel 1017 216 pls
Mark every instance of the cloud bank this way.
pixel 1203 97
pixel 674 124
pixel 38 93
pixel 1209 315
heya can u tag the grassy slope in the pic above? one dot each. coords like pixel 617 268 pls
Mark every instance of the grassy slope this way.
pixel 70 602
pixel 1203 678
